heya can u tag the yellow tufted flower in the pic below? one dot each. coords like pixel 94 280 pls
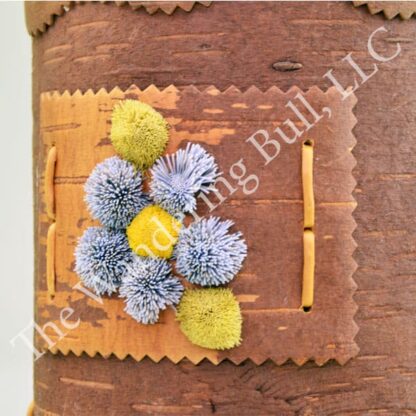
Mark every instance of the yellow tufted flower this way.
pixel 153 232
pixel 138 133
pixel 210 318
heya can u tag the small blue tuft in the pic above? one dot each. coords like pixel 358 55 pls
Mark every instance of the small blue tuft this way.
pixel 177 178
pixel 149 287
pixel 114 193
pixel 207 254
pixel 101 258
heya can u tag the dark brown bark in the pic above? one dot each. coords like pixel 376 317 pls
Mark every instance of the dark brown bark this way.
pixel 96 46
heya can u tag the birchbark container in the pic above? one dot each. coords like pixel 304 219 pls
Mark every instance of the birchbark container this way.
pixel 308 108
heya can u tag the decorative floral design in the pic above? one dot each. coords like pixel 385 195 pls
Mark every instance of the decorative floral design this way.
pixel 138 133
pixel 211 318
pixel 179 177
pixel 149 287
pixel 143 233
pixel 113 193
pixel 101 259
pixel 153 232
pixel 207 254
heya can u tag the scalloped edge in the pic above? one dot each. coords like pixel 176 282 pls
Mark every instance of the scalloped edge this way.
pixel 320 361
pixel 48 18
pixel 210 90
pixel 389 9
pixel 299 362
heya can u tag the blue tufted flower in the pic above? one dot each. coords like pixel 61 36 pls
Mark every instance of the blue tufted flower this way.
pixel 177 178
pixel 101 258
pixel 207 254
pixel 114 193
pixel 208 169
pixel 149 287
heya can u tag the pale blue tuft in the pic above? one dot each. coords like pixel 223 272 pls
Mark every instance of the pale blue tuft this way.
pixel 177 178
pixel 101 258
pixel 149 287
pixel 207 254
pixel 114 193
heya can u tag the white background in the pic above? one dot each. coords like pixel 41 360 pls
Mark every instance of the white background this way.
pixel 16 223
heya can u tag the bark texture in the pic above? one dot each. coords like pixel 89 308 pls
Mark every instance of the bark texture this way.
pixel 262 44
pixel 269 286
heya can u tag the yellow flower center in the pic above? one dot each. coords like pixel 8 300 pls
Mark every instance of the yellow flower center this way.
pixel 153 232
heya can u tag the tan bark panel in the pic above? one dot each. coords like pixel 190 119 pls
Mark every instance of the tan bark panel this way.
pixel 269 285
